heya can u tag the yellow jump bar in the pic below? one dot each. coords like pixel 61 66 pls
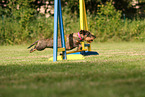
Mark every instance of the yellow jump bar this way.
pixel 60 49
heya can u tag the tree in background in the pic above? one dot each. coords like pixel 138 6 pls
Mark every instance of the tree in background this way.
pixel 22 21
pixel 126 6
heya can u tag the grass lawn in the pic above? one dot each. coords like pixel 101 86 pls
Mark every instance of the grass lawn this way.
pixel 118 71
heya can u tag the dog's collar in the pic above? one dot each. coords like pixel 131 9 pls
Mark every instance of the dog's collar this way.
pixel 80 36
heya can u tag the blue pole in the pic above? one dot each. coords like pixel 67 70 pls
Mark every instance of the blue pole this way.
pixel 62 30
pixel 55 31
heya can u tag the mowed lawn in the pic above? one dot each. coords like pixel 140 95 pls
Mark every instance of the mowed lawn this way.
pixel 118 71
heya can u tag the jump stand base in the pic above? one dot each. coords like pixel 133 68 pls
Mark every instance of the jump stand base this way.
pixel 69 57
pixel 87 53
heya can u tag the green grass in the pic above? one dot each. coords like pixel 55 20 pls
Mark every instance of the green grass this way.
pixel 118 71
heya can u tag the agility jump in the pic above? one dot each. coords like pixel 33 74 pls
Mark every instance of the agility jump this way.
pixel 83 26
pixel 69 41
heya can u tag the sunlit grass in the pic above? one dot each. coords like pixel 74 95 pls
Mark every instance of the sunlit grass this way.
pixel 118 71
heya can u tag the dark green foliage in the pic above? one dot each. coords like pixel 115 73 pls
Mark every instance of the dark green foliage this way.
pixel 108 25
pixel 21 22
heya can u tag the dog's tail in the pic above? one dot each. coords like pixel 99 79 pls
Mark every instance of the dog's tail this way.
pixel 33 44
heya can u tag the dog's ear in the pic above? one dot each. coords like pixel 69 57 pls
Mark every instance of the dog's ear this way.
pixel 83 32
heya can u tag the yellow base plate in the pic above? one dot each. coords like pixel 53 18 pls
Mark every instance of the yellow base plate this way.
pixel 69 57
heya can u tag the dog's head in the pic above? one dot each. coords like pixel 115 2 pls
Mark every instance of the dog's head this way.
pixel 87 36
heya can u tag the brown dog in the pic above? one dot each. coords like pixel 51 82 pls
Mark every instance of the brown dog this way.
pixel 71 40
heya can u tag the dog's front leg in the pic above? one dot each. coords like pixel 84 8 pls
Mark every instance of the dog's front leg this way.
pixel 79 47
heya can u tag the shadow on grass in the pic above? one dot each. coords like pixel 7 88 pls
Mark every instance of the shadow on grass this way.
pixel 81 79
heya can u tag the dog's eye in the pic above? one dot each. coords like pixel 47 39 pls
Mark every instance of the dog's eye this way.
pixel 88 35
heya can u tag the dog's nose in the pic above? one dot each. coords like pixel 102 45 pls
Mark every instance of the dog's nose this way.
pixel 94 36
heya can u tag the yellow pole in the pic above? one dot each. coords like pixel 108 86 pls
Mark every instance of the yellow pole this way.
pixel 83 20
pixel 85 17
pixel 81 15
